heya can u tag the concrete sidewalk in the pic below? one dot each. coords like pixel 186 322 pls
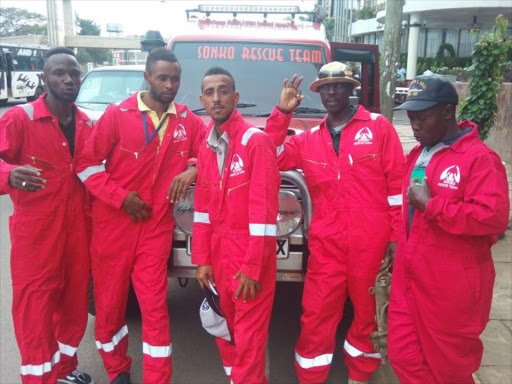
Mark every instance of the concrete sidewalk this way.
pixel 496 365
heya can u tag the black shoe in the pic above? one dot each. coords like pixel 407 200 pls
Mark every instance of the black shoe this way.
pixel 76 377
pixel 122 378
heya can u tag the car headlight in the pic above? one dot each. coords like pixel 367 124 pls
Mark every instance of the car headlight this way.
pixel 184 212
pixel 288 218
pixel 290 214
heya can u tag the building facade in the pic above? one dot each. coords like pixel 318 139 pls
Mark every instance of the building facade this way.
pixel 427 25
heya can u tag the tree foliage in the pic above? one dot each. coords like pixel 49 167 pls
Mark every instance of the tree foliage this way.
pixel 485 77
pixel 87 27
pixel 365 13
pixel 16 22
pixel 329 27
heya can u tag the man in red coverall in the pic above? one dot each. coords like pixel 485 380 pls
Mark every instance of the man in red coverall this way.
pixel 50 265
pixel 145 141
pixel 353 163
pixel 236 206
pixel 458 202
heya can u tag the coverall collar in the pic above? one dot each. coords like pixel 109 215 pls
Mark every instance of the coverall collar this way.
pixel 232 125
pixel 41 110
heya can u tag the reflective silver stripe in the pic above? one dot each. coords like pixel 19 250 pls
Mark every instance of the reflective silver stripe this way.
pixel 395 200
pixel 314 129
pixel 262 229
pixel 89 123
pixel 374 116
pixel 317 361
pixel 124 109
pixel 247 135
pixel 89 171
pixel 354 352
pixel 156 351
pixel 41 369
pixel 29 110
pixel 67 349
pixel 280 150
pixel 201 217
pixel 184 113
pixel 109 347
pixel 227 370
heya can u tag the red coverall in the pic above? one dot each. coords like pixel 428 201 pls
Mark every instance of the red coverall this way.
pixel 443 273
pixel 50 265
pixel 356 204
pixel 121 249
pixel 234 229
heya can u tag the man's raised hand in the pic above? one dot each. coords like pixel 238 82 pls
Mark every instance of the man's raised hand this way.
pixel 291 95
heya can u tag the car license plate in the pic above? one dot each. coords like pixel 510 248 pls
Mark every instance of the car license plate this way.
pixel 281 247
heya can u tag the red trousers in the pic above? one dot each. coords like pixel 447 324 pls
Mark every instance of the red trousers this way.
pixel 123 251
pixel 439 306
pixel 341 264
pixel 244 361
pixel 50 269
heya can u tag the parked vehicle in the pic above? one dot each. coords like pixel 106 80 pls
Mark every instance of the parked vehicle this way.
pixel 21 69
pixel 260 54
pixel 106 85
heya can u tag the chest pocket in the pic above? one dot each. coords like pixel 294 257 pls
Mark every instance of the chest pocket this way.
pixel 132 155
pixel 447 181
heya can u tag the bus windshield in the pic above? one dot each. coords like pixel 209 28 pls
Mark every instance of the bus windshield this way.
pixel 258 70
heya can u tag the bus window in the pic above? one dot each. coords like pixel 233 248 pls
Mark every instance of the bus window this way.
pixel 36 63
pixel 22 63
pixel 3 63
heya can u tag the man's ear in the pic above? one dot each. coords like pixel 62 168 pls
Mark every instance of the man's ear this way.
pixel 202 100
pixel 146 77
pixel 449 111
pixel 237 97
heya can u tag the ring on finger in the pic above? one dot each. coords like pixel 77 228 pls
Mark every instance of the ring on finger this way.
pixel 24 184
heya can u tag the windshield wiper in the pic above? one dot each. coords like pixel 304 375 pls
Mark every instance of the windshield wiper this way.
pixel 239 106
pixel 303 110
pixel 309 110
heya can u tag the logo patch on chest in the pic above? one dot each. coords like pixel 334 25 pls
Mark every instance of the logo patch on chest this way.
pixel 180 133
pixel 450 177
pixel 363 136
pixel 237 166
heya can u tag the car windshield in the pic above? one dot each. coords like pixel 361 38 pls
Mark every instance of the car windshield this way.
pixel 101 88
pixel 258 70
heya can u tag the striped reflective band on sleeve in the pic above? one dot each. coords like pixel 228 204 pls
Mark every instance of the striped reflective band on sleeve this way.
pixel 354 352
pixel 201 217
pixel 227 370
pixel 280 150
pixel 156 351
pixel 317 361
pixel 29 110
pixel 262 229
pixel 395 200
pixel 67 349
pixel 89 171
pixel 247 135
pixel 41 369
pixel 109 347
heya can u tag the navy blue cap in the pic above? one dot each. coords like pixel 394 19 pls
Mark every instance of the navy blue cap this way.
pixel 427 91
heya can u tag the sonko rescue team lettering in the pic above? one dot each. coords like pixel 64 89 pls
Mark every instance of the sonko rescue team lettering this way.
pixel 259 53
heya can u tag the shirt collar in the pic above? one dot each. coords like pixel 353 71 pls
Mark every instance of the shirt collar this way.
pixel 214 141
pixel 144 108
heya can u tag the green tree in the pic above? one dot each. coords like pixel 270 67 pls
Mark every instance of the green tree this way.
pixel 16 22
pixel 329 27
pixel 87 27
pixel 485 78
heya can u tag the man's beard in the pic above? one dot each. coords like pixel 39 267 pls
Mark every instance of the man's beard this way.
pixel 158 98
pixel 61 98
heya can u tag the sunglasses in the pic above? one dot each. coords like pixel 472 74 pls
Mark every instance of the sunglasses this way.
pixel 325 74
pixel 336 87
